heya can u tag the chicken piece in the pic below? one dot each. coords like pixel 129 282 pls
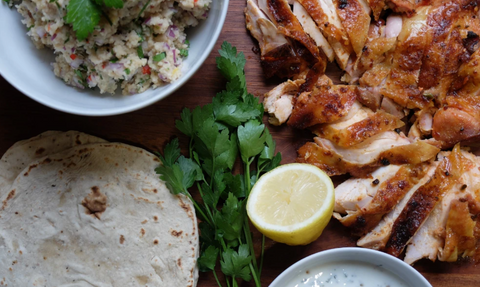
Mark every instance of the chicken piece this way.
pixel 377 238
pixel 394 26
pixel 279 101
pixel 278 55
pixel 324 14
pixel 429 239
pixel 311 29
pixel 363 125
pixel 402 6
pixel 263 29
pixel 377 7
pixel 392 108
pixel 289 25
pixel 401 84
pixel 370 89
pixel 325 104
pixel 356 21
pixel 386 193
pixel 440 21
pixel 356 193
pixel 362 159
pixel 424 200
pixel 460 239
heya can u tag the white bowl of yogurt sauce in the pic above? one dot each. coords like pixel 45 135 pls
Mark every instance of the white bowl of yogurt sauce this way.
pixel 350 267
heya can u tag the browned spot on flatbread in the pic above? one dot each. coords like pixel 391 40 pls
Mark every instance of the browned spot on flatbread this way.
pixel 155 190
pixel 155 241
pixel 80 151
pixel 10 195
pixel 122 239
pixel 77 140
pixel 142 232
pixel 155 218
pixel 145 221
pixel 95 202
pixel 176 233
pixel 40 151
pixel 179 262
pixel 30 169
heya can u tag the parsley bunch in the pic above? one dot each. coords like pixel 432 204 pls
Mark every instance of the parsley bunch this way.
pixel 230 127
pixel 84 15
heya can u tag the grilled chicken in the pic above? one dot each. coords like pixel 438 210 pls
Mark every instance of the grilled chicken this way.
pixel 323 12
pixel 361 159
pixel 279 101
pixel 312 30
pixel 424 200
pixel 387 190
pixel 262 29
pixel 363 125
pixel 430 240
pixel 377 238
pixel 325 104
pixel 414 72
pixel 289 25
pixel 356 21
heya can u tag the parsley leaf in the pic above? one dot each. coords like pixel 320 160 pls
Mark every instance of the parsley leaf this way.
pixel 171 152
pixel 251 139
pixel 208 259
pixel 185 125
pixel 230 126
pixel 84 15
pixel 235 264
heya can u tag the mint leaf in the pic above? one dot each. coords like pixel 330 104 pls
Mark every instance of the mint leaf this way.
pixel 84 15
pixel 114 3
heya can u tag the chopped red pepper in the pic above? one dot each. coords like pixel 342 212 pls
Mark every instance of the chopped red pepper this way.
pixel 73 56
pixel 104 65
pixel 90 78
pixel 146 70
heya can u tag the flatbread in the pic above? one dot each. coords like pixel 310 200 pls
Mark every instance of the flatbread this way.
pixel 22 153
pixel 96 215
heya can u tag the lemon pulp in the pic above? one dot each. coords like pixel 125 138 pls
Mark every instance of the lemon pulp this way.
pixel 293 197
pixel 292 203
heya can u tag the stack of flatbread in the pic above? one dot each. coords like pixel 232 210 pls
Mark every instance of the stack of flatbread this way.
pixel 78 211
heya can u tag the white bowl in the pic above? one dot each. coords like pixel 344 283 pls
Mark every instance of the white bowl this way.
pixel 28 69
pixel 387 262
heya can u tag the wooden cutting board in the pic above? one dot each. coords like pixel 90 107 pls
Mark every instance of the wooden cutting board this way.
pixel 152 127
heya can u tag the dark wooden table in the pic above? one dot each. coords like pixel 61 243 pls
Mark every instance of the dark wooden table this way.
pixel 152 127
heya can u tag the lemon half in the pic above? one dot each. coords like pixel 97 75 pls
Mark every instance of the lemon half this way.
pixel 292 203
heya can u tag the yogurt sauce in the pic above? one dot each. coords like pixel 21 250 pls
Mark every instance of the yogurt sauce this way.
pixel 346 274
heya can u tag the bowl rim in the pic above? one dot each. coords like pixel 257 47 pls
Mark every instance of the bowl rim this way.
pixel 112 111
pixel 307 261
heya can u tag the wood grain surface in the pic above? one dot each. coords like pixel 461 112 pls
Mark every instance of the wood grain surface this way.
pixel 152 127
